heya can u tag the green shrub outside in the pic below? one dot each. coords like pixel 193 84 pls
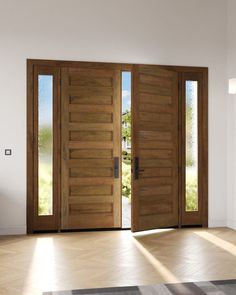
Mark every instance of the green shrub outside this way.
pixel 126 179
pixel 191 192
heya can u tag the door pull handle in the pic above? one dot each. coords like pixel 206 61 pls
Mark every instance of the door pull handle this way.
pixel 116 167
pixel 136 168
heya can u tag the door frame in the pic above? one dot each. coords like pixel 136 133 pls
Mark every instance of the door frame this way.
pixel 34 223
pixel 201 75
pixel 195 217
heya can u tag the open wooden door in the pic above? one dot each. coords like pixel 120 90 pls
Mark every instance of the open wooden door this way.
pixel 90 143
pixel 155 148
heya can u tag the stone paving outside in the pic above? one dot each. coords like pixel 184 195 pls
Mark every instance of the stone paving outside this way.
pixel 126 212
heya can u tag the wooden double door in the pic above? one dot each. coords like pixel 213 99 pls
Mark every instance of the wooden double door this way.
pixel 86 177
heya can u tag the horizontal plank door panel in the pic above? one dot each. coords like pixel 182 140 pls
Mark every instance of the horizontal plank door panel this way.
pixel 91 196
pixel 155 148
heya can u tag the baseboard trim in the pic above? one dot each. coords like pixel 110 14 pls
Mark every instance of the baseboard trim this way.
pixel 13 230
pixel 231 223
pixel 217 223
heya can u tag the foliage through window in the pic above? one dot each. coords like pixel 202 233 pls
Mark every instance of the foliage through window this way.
pixel 45 144
pixel 126 134
pixel 191 152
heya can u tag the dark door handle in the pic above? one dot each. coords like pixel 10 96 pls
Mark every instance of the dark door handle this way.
pixel 116 167
pixel 136 168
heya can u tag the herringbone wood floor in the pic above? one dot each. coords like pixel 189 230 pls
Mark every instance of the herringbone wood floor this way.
pixel 32 264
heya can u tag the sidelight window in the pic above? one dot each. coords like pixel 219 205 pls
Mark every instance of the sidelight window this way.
pixel 45 144
pixel 191 146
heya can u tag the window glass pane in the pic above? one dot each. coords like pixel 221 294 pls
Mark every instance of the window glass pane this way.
pixel 191 117
pixel 126 149
pixel 45 144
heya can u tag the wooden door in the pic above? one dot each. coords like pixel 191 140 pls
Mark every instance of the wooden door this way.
pixel 90 143
pixel 155 148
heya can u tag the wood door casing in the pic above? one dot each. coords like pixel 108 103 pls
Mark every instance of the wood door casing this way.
pixel 90 140
pixel 155 144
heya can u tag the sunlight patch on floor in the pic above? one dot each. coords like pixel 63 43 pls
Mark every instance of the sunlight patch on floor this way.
pixel 227 246
pixel 151 232
pixel 164 272
pixel 42 271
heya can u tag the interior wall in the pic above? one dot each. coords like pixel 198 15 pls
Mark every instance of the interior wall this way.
pixel 231 127
pixel 169 32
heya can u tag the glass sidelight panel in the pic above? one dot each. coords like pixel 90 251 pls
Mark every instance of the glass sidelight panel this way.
pixel 191 150
pixel 45 145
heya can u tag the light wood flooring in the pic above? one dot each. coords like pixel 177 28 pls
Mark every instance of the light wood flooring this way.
pixel 46 262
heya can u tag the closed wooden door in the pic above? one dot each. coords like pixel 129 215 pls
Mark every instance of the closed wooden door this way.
pixel 155 148
pixel 90 148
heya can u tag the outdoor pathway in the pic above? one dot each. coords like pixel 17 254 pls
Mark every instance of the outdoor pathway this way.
pixel 126 213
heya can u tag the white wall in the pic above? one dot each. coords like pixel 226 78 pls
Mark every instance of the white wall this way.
pixel 173 32
pixel 231 127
